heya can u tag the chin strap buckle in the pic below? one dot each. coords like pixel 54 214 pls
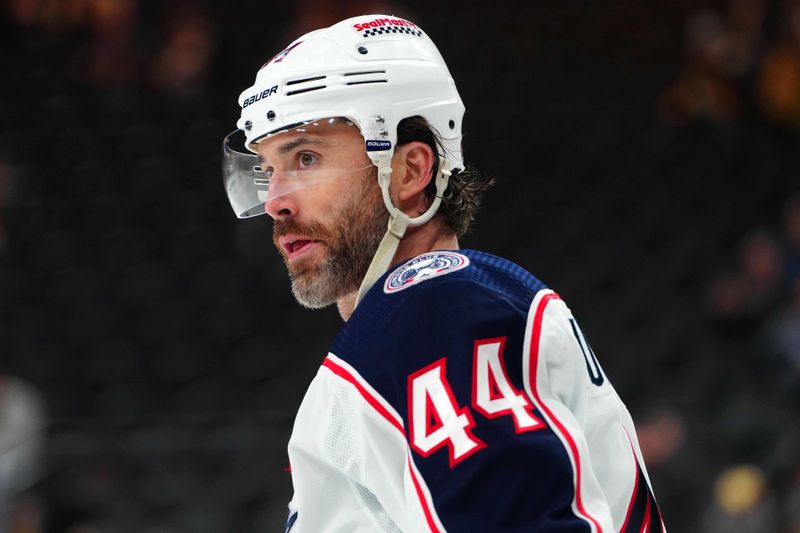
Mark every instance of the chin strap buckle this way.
pixel 398 223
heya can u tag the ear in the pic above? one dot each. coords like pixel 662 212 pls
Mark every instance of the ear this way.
pixel 411 173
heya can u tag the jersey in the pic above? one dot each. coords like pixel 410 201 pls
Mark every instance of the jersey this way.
pixel 462 395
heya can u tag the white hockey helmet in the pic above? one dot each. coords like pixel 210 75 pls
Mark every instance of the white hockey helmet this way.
pixel 372 70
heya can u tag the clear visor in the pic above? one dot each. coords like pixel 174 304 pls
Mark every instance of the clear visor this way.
pixel 286 161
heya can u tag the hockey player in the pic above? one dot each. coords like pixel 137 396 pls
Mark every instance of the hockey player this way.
pixel 460 395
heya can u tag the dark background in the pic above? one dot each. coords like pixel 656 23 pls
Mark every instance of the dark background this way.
pixel 646 154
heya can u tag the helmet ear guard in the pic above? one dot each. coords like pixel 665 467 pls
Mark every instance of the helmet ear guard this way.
pixel 373 70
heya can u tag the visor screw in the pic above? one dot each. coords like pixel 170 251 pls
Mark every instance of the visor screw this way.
pixel 383 133
pixel 362 50
pixel 452 124
pixel 248 125
pixel 270 115
pixel 379 119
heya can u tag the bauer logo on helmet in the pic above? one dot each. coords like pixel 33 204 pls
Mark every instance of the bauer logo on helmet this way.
pixel 376 146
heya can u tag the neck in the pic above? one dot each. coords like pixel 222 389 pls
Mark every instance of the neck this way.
pixel 418 240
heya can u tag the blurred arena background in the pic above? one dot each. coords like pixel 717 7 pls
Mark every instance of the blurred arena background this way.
pixel 151 355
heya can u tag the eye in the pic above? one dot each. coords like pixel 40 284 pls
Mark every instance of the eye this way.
pixel 307 159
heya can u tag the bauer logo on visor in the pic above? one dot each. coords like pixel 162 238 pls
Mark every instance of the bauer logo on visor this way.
pixel 377 146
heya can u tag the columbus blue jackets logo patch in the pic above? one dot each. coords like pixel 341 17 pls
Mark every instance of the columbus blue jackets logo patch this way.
pixel 424 267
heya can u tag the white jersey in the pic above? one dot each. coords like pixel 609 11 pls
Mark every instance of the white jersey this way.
pixel 463 396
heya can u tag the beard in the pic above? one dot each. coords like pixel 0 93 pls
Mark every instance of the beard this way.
pixel 349 243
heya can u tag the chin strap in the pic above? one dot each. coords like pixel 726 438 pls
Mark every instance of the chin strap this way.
pixel 398 223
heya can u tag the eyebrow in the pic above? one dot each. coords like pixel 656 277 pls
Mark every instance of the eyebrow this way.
pixel 287 147
pixel 300 141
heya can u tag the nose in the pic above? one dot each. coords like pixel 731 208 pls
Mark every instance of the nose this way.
pixel 280 207
pixel 281 201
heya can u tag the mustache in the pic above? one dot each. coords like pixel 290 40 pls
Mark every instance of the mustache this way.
pixel 313 230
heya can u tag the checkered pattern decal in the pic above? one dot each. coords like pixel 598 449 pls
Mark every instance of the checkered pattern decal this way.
pixel 391 29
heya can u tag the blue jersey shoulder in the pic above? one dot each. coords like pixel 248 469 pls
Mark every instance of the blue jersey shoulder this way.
pixel 432 302
pixel 435 311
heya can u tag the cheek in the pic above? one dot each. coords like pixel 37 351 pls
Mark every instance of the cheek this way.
pixel 318 201
pixel 330 206
pixel 347 191
pixel 331 203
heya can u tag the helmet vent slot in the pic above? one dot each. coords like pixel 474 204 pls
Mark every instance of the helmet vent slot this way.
pixel 373 79
pixel 364 73
pixel 298 91
pixel 366 81
pixel 295 82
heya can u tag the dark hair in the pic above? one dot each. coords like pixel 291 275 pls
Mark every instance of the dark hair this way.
pixel 462 197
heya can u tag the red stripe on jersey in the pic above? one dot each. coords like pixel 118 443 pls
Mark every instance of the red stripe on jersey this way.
pixel 347 376
pixel 650 499
pixel 534 360
pixel 633 495
pixel 646 521
pixel 371 400
pixel 421 496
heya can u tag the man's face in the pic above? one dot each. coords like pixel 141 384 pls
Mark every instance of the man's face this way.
pixel 327 207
